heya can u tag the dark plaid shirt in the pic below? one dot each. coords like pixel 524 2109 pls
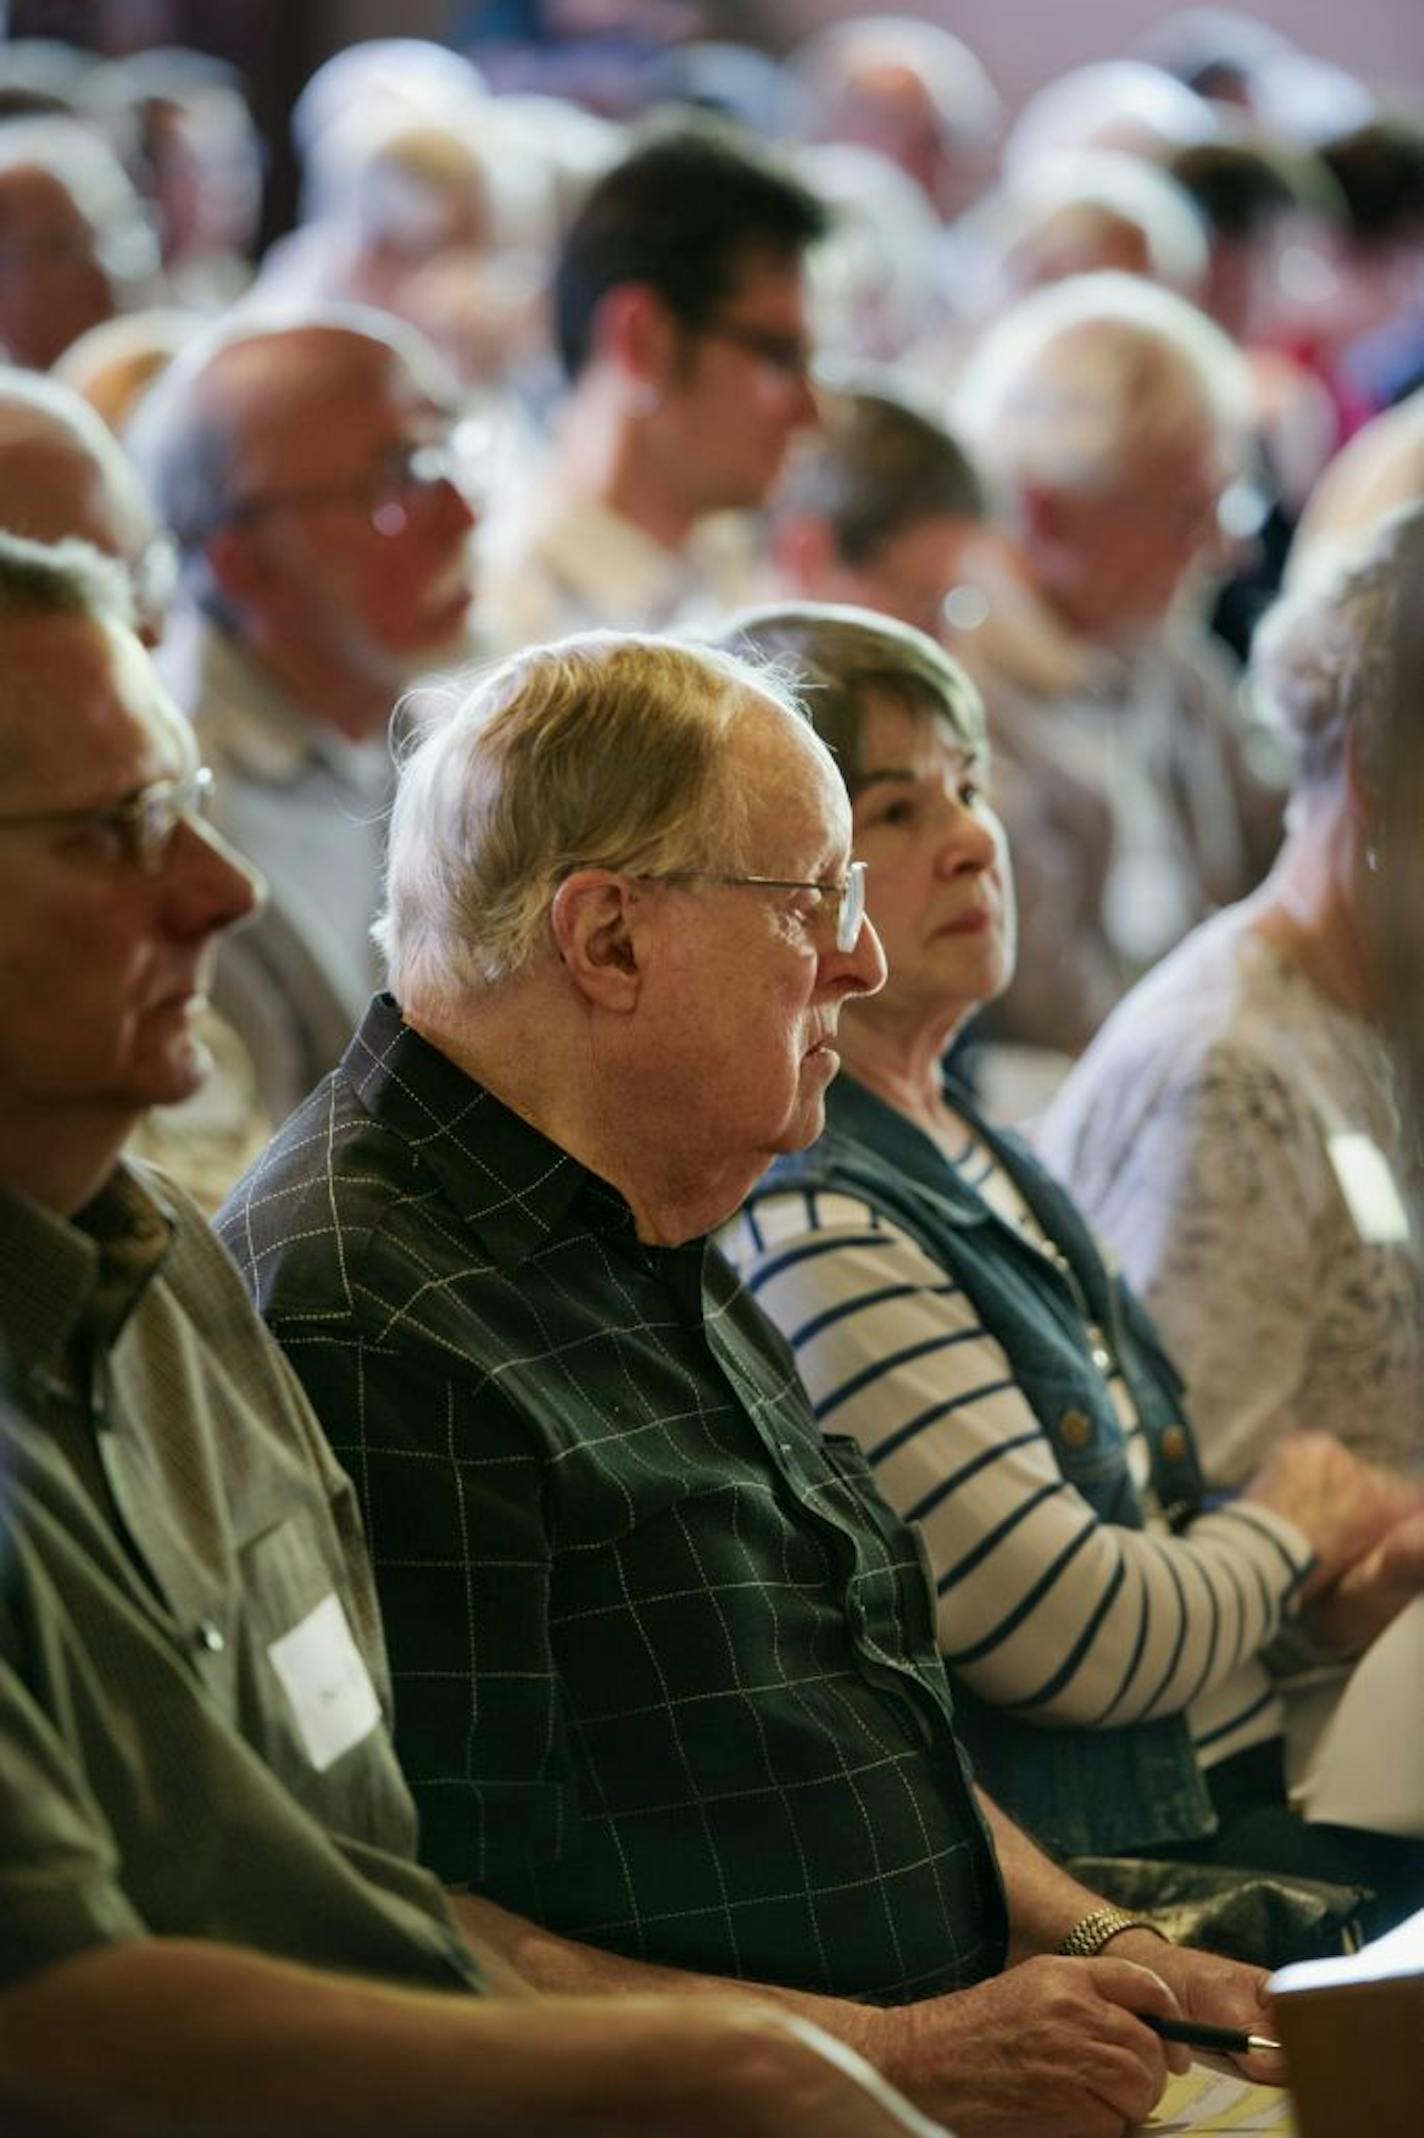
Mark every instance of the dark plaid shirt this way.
pixel 664 1662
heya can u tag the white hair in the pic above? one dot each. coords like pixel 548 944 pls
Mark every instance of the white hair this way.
pixel 1111 103
pixel 606 750
pixel 1075 381
pixel 91 174
pixel 1324 660
pixel 1380 471
pixel 957 83
pixel 1011 241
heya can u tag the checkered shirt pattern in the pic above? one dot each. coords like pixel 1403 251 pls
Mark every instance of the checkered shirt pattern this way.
pixel 664 1661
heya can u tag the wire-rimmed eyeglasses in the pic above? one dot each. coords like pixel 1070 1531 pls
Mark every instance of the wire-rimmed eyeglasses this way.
pixel 142 827
pixel 408 470
pixel 846 897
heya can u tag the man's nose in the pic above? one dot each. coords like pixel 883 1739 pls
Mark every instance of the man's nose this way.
pixel 211 885
pixel 862 969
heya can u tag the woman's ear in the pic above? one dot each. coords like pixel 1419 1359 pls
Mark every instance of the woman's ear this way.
pixel 590 920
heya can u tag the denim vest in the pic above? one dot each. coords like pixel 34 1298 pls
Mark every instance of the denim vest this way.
pixel 1081 1791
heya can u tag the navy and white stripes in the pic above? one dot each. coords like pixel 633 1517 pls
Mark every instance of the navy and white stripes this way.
pixel 1042 1607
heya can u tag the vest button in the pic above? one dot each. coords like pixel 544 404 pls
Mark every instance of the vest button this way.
pixel 1076 1428
pixel 1174 1443
pixel 210 1636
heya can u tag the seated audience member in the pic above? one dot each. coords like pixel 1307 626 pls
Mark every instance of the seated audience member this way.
pixel 949 1310
pixel 308 474
pixel 681 321
pixel 1260 206
pixel 74 245
pixel 1217 52
pixel 665 1665
pixel 1235 1129
pixel 115 363
pixel 1107 416
pixel 198 159
pixel 1072 215
pixel 911 92
pixel 880 508
pixel 1379 472
pixel 213 1919
pixel 1123 104
pixel 879 291
pixel 63 476
pixel 1366 336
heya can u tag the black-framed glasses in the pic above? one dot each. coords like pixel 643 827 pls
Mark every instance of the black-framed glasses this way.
pixel 143 827
pixel 789 355
pixel 846 897
pixel 408 470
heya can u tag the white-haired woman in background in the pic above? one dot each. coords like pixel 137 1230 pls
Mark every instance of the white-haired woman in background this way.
pixel 1234 1130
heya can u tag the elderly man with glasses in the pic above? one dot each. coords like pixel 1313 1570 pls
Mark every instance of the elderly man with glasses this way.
pixel 312 476
pixel 667 1691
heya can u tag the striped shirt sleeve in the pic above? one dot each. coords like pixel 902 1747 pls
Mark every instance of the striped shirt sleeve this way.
pixel 1042 1607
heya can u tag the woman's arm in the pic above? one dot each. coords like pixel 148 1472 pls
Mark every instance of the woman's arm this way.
pixel 1041 1606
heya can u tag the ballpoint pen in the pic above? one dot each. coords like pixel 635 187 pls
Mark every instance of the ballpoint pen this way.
pixel 1197 2035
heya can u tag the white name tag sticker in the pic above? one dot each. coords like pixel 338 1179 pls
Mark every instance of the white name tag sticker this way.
pixel 1368 1187
pixel 327 1683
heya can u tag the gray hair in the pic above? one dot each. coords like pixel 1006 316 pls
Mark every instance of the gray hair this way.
pixel 1323 662
pixel 839 658
pixel 95 180
pixel 1021 235
pixel 37 408
pixel 606 751
pixel 1078 378
pixel 61 579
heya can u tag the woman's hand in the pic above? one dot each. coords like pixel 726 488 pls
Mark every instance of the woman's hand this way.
pixel 1370 1594
pixel 1345 1506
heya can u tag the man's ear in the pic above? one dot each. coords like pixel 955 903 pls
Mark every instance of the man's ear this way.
pixel 635 331
pixel 593 932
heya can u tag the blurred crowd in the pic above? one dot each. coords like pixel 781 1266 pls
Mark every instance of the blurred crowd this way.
pixel 1067 392
pixel 481 529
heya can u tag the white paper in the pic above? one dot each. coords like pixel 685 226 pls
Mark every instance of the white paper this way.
pixel 327 1683
pixel 1203 2099
pixel 1368 1764
pixel 1367 1185
pixel 1399 1953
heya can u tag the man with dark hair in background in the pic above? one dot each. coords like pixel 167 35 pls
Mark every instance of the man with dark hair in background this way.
pixel 681 324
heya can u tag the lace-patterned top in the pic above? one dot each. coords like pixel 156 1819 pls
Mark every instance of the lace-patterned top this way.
pixel 1197 1133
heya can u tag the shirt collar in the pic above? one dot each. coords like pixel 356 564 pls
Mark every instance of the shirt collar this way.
pixel 60 1275
pixel 254 728
pixel 508 1181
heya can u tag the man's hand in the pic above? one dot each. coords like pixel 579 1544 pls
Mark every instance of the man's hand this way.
pixel 1051 2045
pixel 1372 1592
pixel 1344 1505
pixel 1224 1993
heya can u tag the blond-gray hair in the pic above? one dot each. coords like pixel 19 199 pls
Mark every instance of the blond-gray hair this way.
pixel 606 750
pixel 1078 378
pixel 1324 659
